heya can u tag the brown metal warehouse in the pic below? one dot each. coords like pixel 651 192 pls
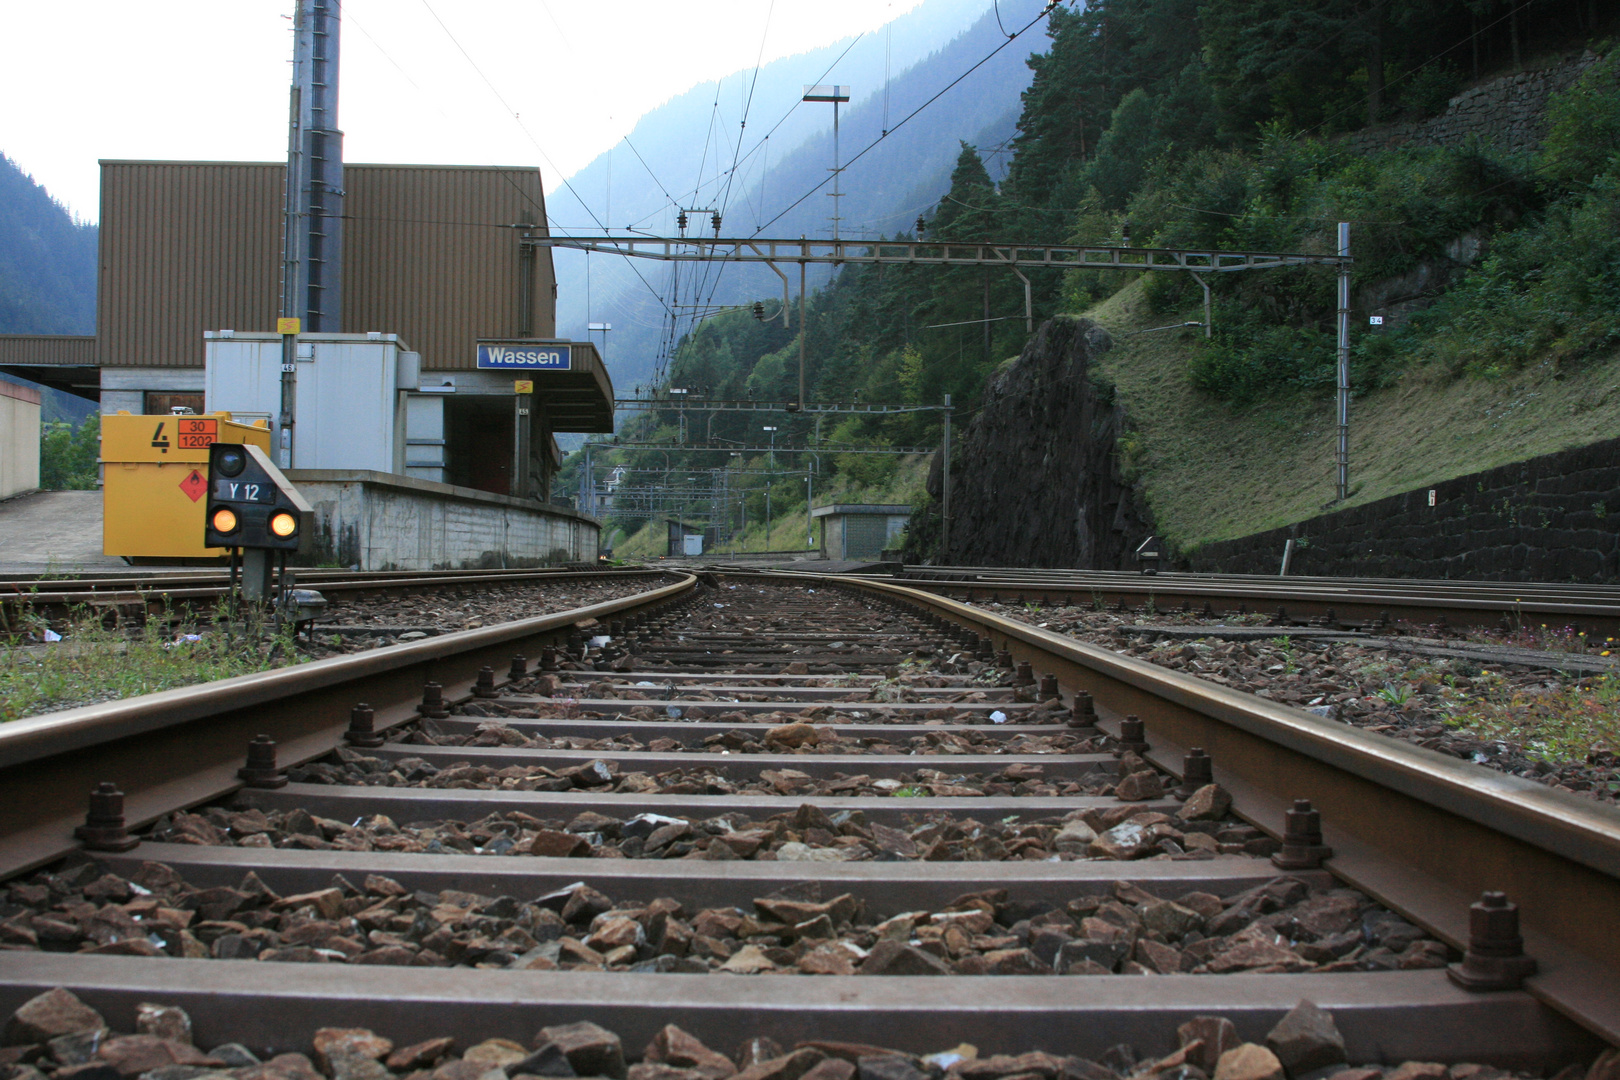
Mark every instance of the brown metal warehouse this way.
pixel 432 253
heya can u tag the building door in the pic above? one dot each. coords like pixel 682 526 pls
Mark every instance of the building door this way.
pixel 479 437
pixel 865 535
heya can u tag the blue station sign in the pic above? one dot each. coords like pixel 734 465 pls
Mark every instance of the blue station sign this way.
pixel 525 356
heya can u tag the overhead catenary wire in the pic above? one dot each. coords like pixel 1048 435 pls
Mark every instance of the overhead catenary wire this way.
pixel 1045 11
pixel 530 135
pixel 765 139
pixel 742 126
pixel 348 17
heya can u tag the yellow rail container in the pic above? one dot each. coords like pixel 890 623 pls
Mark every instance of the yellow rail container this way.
pixel 155 481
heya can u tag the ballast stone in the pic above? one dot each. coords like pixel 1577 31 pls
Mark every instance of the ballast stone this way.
pixel 1306 1039
pixel 51 1014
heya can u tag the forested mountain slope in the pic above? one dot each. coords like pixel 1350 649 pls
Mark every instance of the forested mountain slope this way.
pixel 1253 125
pixel 47 261
pixel 691 153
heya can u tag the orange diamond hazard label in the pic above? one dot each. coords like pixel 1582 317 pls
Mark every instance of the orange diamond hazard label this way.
pixel 194 485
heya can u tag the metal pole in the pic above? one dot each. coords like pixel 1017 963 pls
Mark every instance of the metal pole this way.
pixel 1200 279
pixel 769 477
pixel 809 501
pixel 291 262
pixel 1343 455
pixel 836 171
pixel 526 254
pixel 521 437
pixel 803 332
pixel 1029 303
pixel 985 276
pixel 588 488
pixel 289 393
pixel 945 489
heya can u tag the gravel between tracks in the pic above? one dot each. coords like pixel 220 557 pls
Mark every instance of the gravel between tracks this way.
pixel 1282 926
pixel 70 1039
pixel 355 624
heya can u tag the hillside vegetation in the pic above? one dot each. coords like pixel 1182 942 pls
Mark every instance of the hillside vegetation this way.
pixel 1216 123
pixel 1213 469
pixel 47 261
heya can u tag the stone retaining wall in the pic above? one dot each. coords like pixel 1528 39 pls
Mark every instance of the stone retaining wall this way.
pixel 1509 112
pixel 1551 518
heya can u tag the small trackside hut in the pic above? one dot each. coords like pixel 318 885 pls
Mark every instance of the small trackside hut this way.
pixel 860 530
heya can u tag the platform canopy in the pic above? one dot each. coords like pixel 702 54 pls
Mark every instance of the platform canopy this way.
pixel 570 381
pixel 62 362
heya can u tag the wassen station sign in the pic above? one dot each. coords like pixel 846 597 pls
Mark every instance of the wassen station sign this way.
pixel 525 356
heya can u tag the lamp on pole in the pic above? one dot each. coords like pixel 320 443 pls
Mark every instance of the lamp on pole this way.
pixel 768 477
pixel 600 328
pixel 834 94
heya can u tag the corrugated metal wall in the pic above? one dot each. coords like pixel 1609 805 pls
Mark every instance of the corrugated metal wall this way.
pixel 430 255
pixel 185 247
pixel 68 351
pixel 194 246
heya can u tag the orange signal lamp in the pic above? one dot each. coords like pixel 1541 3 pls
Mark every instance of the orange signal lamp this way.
pixel 282 525
pixel 225 520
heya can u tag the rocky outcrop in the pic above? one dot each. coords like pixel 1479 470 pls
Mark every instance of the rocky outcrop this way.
pixel 1036 478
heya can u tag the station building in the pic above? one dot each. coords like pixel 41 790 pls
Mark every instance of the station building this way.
pixel 435 260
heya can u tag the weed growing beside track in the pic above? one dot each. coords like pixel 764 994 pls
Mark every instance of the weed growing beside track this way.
pixel 63 663
pixel 85 662
pixel 1556 727
pixel 1567 721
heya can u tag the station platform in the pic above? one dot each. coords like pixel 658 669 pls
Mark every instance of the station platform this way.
pixel 366 520
pixel 47 532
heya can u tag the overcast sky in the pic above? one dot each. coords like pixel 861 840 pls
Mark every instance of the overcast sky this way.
pixel 423 81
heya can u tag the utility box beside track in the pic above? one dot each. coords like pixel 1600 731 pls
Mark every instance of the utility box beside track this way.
pixel 155 481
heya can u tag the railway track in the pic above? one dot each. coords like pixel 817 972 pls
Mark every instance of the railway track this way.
pixel 1345 603
pixel 1342 603
pixel 894 782
pixel 156 594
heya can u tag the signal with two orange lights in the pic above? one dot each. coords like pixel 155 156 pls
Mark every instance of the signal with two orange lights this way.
pixel 251 504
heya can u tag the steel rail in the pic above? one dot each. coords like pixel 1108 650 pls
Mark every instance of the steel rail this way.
pixel 1423 832
pixel 154 593
pixel 1348 602
pixel 182 747
pixel 165 575
pixel 1445 586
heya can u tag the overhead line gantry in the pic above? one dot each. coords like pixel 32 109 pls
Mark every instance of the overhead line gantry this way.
pixel 1016 257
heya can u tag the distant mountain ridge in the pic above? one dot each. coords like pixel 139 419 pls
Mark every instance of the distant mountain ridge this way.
pixel 884 190
pixel 47 261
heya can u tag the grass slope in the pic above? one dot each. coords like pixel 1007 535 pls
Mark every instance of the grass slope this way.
pixel 1212 471
pixel 789 525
